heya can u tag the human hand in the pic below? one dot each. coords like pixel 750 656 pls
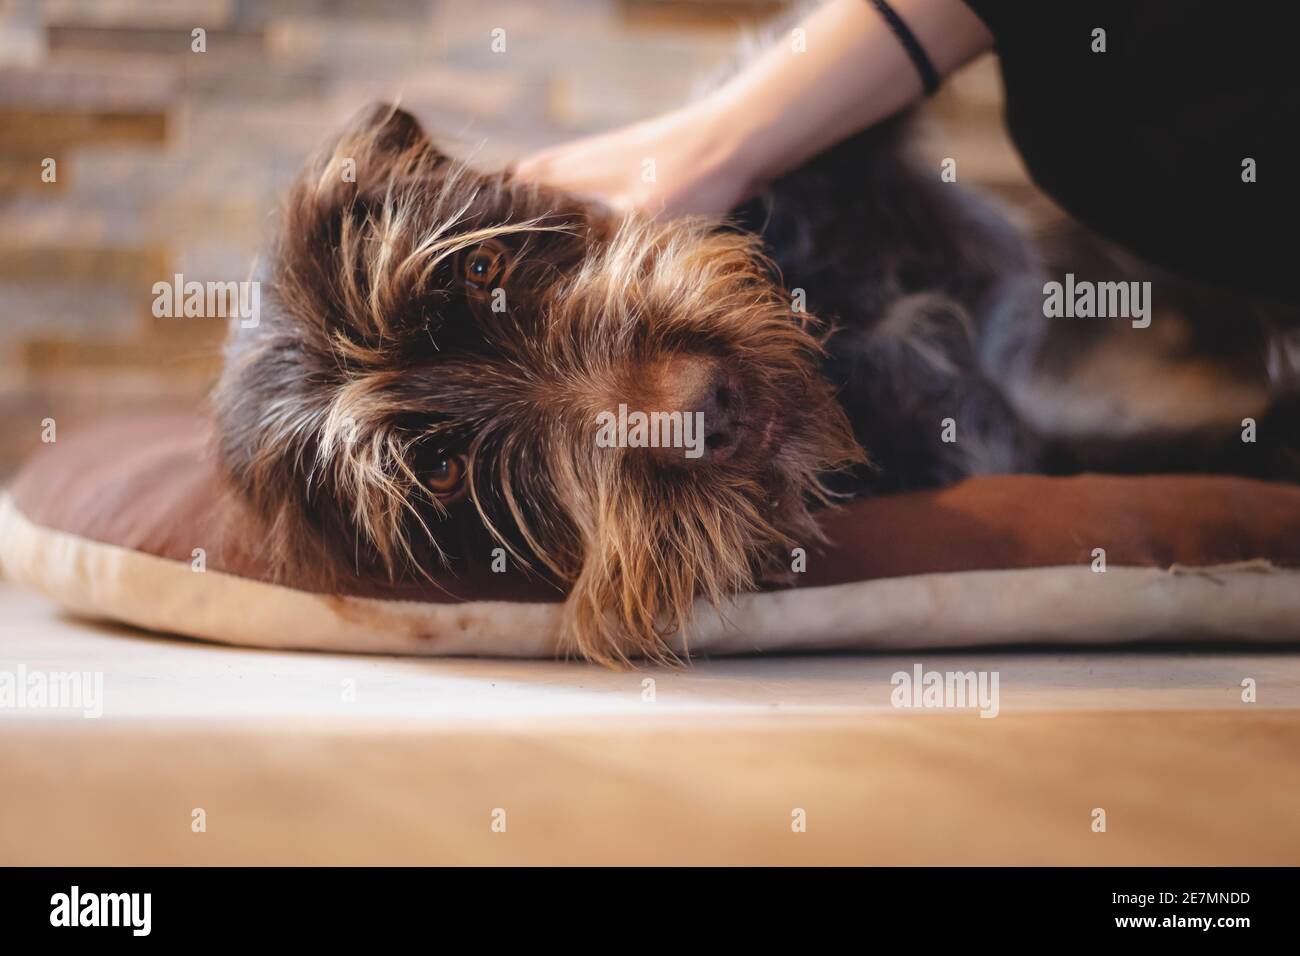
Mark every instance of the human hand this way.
pixel 678 164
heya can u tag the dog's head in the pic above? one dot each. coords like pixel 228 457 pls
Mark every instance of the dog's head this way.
pixel 449 361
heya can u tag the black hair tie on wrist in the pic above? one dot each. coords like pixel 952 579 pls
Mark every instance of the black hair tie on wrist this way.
pixel 929 76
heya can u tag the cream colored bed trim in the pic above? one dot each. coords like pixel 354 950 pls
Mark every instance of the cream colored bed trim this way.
pixel 1068 604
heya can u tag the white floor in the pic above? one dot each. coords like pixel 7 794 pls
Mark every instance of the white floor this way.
pixel 154 677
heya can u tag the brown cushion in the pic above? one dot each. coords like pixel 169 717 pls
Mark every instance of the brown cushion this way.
pixel 1005 558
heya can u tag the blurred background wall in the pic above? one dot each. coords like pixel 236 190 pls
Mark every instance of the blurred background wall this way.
pixel 170 161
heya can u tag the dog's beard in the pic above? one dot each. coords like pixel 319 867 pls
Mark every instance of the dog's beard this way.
pixel 645 537
pixel 650 550
pixel 637 541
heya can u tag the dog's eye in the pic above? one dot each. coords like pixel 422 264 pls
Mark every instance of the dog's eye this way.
pixel 446 475
pixel 483 265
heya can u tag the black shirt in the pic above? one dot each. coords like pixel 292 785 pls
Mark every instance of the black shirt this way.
pixel 1145 142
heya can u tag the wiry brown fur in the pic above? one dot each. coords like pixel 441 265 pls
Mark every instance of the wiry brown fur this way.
pixel 372 357
pixel 376 356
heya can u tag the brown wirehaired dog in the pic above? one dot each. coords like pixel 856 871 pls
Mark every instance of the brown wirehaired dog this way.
pixel 440 343
pixel 437 347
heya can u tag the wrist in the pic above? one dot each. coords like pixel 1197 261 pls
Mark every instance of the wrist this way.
pixel 728 145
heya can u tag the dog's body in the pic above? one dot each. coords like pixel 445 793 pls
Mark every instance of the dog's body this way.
pixel 439 346
pixel 937 300
pixel 915 275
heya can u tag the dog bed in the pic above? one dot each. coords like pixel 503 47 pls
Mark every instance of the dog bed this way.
pixel 127 521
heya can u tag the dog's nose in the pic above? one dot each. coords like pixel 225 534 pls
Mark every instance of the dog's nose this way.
pixel 703 389
pixel 720 404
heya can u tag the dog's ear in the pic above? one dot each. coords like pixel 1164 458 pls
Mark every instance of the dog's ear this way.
pixel 379 149
pixel 390 128
pixel 343 261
